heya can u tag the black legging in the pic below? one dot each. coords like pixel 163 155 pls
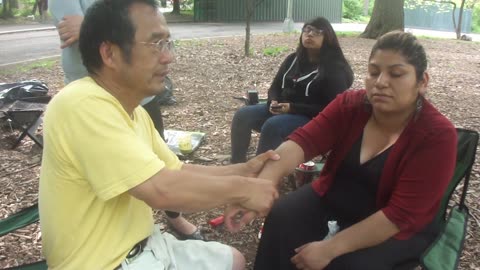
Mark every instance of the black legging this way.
pixel 153 109
pixel 301 217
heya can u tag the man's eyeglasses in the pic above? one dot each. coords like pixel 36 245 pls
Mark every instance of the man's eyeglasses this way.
pixel 162 45
pixel 310 29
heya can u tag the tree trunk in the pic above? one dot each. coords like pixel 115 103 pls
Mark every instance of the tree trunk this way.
pixel 460 17
pixel 13 4
pixel 248 19
pixel 387 16
pixel 34 10
pixel 7 9
pixel 4 8
pixel 366 4
pixel 176 7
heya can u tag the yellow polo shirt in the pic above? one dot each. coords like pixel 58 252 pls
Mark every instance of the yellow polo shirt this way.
pixel 93 154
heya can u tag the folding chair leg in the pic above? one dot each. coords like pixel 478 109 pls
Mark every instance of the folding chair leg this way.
pixel 30 131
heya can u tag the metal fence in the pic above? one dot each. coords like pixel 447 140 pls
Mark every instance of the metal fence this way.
pixel 267 10
pixel 437 18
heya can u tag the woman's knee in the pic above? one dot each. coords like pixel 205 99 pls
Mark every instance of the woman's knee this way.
pixel 238 260
pixel 239 116
pixel 271 127
pixel 243 116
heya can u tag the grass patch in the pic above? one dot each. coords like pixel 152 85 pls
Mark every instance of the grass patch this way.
pixel 188 12
pixel 47 63
pixel 274 51
pixel 361 19
pixel 188 42
pixel 23 68
pixel 348 34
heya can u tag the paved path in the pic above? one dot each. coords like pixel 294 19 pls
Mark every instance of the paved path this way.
pixel 24 43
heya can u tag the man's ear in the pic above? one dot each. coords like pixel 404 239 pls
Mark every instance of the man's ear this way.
pixel 109 53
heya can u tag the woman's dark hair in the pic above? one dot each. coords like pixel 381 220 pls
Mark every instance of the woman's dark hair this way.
pixel 408 46
pixel 107 20
pixel 330 52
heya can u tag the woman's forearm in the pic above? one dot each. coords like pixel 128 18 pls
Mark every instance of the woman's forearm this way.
pixel 291 154
pixel 367 233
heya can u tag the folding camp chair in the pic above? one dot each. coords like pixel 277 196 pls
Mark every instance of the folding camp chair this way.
pixel 444 253
pixel 26 115
pixel 19 220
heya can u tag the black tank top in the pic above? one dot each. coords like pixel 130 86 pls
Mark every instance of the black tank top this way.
pixel 352 195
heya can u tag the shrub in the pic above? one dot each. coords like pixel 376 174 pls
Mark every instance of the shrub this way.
pixel 352 9
pixel 274 51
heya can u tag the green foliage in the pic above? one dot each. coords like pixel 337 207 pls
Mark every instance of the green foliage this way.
pixel 476 19
pixel 187 5
pixel 353 9
pixel 25 8
pixel 274 51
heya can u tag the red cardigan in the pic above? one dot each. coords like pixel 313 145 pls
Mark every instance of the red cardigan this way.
pixel 416 172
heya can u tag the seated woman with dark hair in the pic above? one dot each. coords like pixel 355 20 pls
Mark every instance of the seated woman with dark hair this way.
pixel 391 155
pixel 306 82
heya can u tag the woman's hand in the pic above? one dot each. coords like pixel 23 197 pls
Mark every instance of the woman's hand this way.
pixel 313 256
pixel 279 108
pixel 237 217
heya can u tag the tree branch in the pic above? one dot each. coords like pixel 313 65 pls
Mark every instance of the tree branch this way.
pixel 453 12
pixel 258 2
pixel 251 10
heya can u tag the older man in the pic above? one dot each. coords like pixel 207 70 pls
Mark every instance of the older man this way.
pixel 104 165
pixel 68 18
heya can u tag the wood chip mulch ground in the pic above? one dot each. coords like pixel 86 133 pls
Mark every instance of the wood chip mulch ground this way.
pixel 206 75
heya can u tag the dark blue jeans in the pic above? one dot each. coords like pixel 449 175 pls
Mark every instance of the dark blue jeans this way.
pixel 273 129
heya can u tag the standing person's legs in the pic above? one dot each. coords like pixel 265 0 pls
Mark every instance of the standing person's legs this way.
pixel 155 113
pixel 245 120
pixel 296 219
pixel 277 128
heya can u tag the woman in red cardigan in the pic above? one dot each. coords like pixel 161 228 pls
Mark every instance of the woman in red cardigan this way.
pixel 391 155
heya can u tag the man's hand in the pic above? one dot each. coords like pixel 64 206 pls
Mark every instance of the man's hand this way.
pixel 313 256
pixel 255 165
pixel 69 29
pixel 236 218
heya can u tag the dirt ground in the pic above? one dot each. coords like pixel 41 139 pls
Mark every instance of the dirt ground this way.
pixel 206 75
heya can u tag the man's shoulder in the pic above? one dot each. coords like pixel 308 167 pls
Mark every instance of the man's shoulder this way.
pixel 78 92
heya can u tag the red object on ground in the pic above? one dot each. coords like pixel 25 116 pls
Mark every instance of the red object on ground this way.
pixel 304 173
pixel 216 221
